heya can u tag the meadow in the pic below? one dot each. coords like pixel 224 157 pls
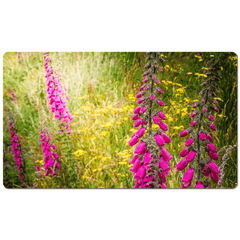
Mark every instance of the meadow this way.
pixel 102 89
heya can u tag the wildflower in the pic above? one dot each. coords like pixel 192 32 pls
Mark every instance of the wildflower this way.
pixel 211 118
pixel 202 117
pixel 202 136
pixel 181 165
pixel 13 95
pixel 146 171
pixel 187 178
pixel 189 142
pixel 57 95
pixel 193 123
pixel 211 147
pixel 212 127
pixel 199 185
pixel 213 155
pixel 159 140
pixel 190 157
pixel 183 133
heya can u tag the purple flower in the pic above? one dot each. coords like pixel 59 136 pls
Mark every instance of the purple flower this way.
pixel 152 97
pixel 211 118
pixel 166 156
pixel 199 185
pixel 212 127
pixel 163 126
pixel 184 152
pixel 133 141
pixel 165 137
pixel 187 177
pixel 190 157
pixel 141 148
pixel 202 136
pixel 162 115
pixel 193 123
pixel 137 109
pixel 213 155
pixel 161 103
pixel 159 140
pixel 183 133
pixel 189 142
pixel 211 147
pixel 138 95
pixel 181 165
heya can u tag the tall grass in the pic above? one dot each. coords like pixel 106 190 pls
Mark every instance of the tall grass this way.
pixel 101 88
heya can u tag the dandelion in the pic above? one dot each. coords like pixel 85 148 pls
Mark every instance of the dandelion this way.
pixel 151 159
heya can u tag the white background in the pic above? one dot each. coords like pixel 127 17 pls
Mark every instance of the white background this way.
pixel 119 26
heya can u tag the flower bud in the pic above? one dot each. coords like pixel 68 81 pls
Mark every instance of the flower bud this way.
pixel 140 100
pixel 193 123
pixel 213 127
pixel 189 142
pixel 135 117
pixel 183 133
pixel 211 118
pixel 211 147
pixel 137 109
pixel 165 137
pixel 202 136
pixel 213 155
pixel 141 148
pixel 159 140
pixel 142 110
pixel 190 157
pixel 162 115
pixel 184 152
pixel 160 91
pixel 152 97
pixel 187 177
pixel 166 156
pixel 161 103
pixel 140 132
pixel 199 185
pixel 133 140
pixel 181 165
pixel 163 126
pixel 193 114
pixel 138 95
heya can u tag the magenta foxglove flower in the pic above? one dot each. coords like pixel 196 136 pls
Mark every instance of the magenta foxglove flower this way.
pixel 150 163
pixel 138 95
pixel 181 165
pixel 213 155
pixel 159 140
pixel 199 185
pixel 211 118
pixel 141 148
pixel 183 133
pixel 137 123
pixel 152 97
pixel 189 142
pixel 184 152
pixel 190 157
pixel 137 109
pixel 161 103
pixel 193 114
pixel 133 141
pixel 211 147
pixel 187 177
pixel 193 123
pixel 16 148
pixel 140 132
pixel 213 167
pixel 212 127
pixel 160 91
pixel 202 136
pixel 165 137
pixel 162 115
pixel 135 117
pixel 56 94
pixel 197 151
